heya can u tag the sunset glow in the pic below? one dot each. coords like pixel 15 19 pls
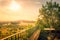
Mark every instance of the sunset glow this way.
pixel 11 10
pixel 14 6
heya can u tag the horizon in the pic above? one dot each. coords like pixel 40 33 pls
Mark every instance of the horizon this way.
pixel 19 20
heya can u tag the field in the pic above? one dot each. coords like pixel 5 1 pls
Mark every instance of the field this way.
pixel 13 28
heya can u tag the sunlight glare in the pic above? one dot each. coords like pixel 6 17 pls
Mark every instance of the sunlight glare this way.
pixel 14 6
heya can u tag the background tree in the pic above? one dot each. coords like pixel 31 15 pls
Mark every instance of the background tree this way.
pixel 49 15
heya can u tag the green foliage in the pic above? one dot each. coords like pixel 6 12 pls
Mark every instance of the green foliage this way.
pixel 51 15
pixel 8 29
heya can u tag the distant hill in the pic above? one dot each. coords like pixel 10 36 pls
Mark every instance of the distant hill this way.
pixel 20 22
pixel 26 21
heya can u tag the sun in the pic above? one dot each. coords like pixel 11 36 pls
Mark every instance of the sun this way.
pixel 14 6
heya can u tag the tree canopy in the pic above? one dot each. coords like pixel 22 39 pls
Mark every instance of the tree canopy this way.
pixel 49 15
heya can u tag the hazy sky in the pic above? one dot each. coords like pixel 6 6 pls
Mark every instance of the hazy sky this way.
pixel 29 10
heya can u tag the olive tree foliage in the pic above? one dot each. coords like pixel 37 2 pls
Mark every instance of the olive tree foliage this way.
pixel 49 15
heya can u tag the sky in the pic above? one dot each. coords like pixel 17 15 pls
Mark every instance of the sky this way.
pixel 29 9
